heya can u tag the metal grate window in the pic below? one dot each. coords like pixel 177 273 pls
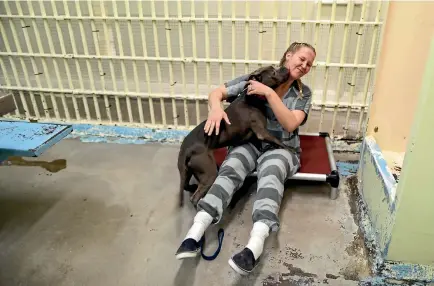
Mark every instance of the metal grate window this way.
pixel 153 63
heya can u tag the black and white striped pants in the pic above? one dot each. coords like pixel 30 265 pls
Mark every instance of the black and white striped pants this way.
pixel 273 167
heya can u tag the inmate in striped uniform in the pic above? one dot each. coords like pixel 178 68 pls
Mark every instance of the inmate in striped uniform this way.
pixel 274 166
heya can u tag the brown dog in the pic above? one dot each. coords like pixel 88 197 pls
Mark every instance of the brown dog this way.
pixel 248 124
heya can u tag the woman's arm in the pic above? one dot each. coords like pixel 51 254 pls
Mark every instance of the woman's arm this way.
pixel 289 119
pixel 230 89
pixel 216 112
pixel 217 96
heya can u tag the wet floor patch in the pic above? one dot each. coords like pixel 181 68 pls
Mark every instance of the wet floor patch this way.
pixel 51 166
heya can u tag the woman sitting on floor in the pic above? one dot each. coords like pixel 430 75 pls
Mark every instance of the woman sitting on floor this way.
pixel 287 109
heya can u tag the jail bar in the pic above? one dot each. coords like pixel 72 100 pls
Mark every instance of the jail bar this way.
pixel 100 69
pixel 89 68
pixel 315 43
pixel 77 65
pixel 288 25
pixel 56 66
pixel 7 80
pixel 303 21
pixel 198 19
pixel 135 73
pixel 220 40
pixel 313 68
pixel 233 39
pixel 123 68
pixel 18 46
pixel 191 96
pixel 108 32
pixel 181 50
pixel 356 60
pixel 169 54
pixel 157 55
pixel 196 81
pixel 274 40
pixel 173 59
pixel 326 76
pixel 246 39
pixel 118 29
pixel 44 63
pixel 97 48
pixel 65 62
pixel 368 72
pixel 261 32
pixel 340 76
pixel 15 72
pixel 145 54
pixel 122 94
pixel 208 64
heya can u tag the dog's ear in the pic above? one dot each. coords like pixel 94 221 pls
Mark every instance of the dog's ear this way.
pixel 256 77
pixel 283 73
pixel 283 70
pixel 257 74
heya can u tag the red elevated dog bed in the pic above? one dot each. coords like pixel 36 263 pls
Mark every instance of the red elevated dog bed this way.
pixel 317 160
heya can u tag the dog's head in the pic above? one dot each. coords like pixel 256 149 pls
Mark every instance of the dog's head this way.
pixel 270 76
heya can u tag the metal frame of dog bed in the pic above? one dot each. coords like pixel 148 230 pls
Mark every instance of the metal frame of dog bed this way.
pixel 317 161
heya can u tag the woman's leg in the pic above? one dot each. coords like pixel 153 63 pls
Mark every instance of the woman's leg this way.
pixel 274 168
pixel 238 164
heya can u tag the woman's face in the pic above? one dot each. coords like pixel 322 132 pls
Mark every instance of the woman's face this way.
pixel 300 62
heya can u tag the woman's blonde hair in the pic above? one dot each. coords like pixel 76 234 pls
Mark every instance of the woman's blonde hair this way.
pixel 293 48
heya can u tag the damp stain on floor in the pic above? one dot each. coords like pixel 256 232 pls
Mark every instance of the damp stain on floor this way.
pixel 51 166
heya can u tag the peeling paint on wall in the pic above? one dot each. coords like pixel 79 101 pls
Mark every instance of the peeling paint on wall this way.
pixel 346 146
pixel 376 194
pixel 347 168
pixel 125 135
pixel 383 169
pixel 387 273
pixel 409 272
pixel 135 135
pixel 377 218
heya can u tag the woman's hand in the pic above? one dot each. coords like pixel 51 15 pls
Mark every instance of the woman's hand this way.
pixel 258 89
pixel 215 116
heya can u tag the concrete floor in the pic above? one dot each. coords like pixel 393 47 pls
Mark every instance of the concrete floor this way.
pixel 110 218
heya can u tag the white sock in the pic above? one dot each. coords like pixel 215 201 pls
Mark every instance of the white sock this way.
pixel 201 222
pixel 259 233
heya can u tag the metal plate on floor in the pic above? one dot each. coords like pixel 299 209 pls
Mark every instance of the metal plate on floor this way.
pixel 19 138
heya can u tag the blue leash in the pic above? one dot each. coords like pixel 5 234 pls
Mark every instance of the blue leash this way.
pixel 220 236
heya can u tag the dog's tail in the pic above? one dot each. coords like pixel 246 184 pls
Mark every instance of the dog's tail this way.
pixel 183 175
